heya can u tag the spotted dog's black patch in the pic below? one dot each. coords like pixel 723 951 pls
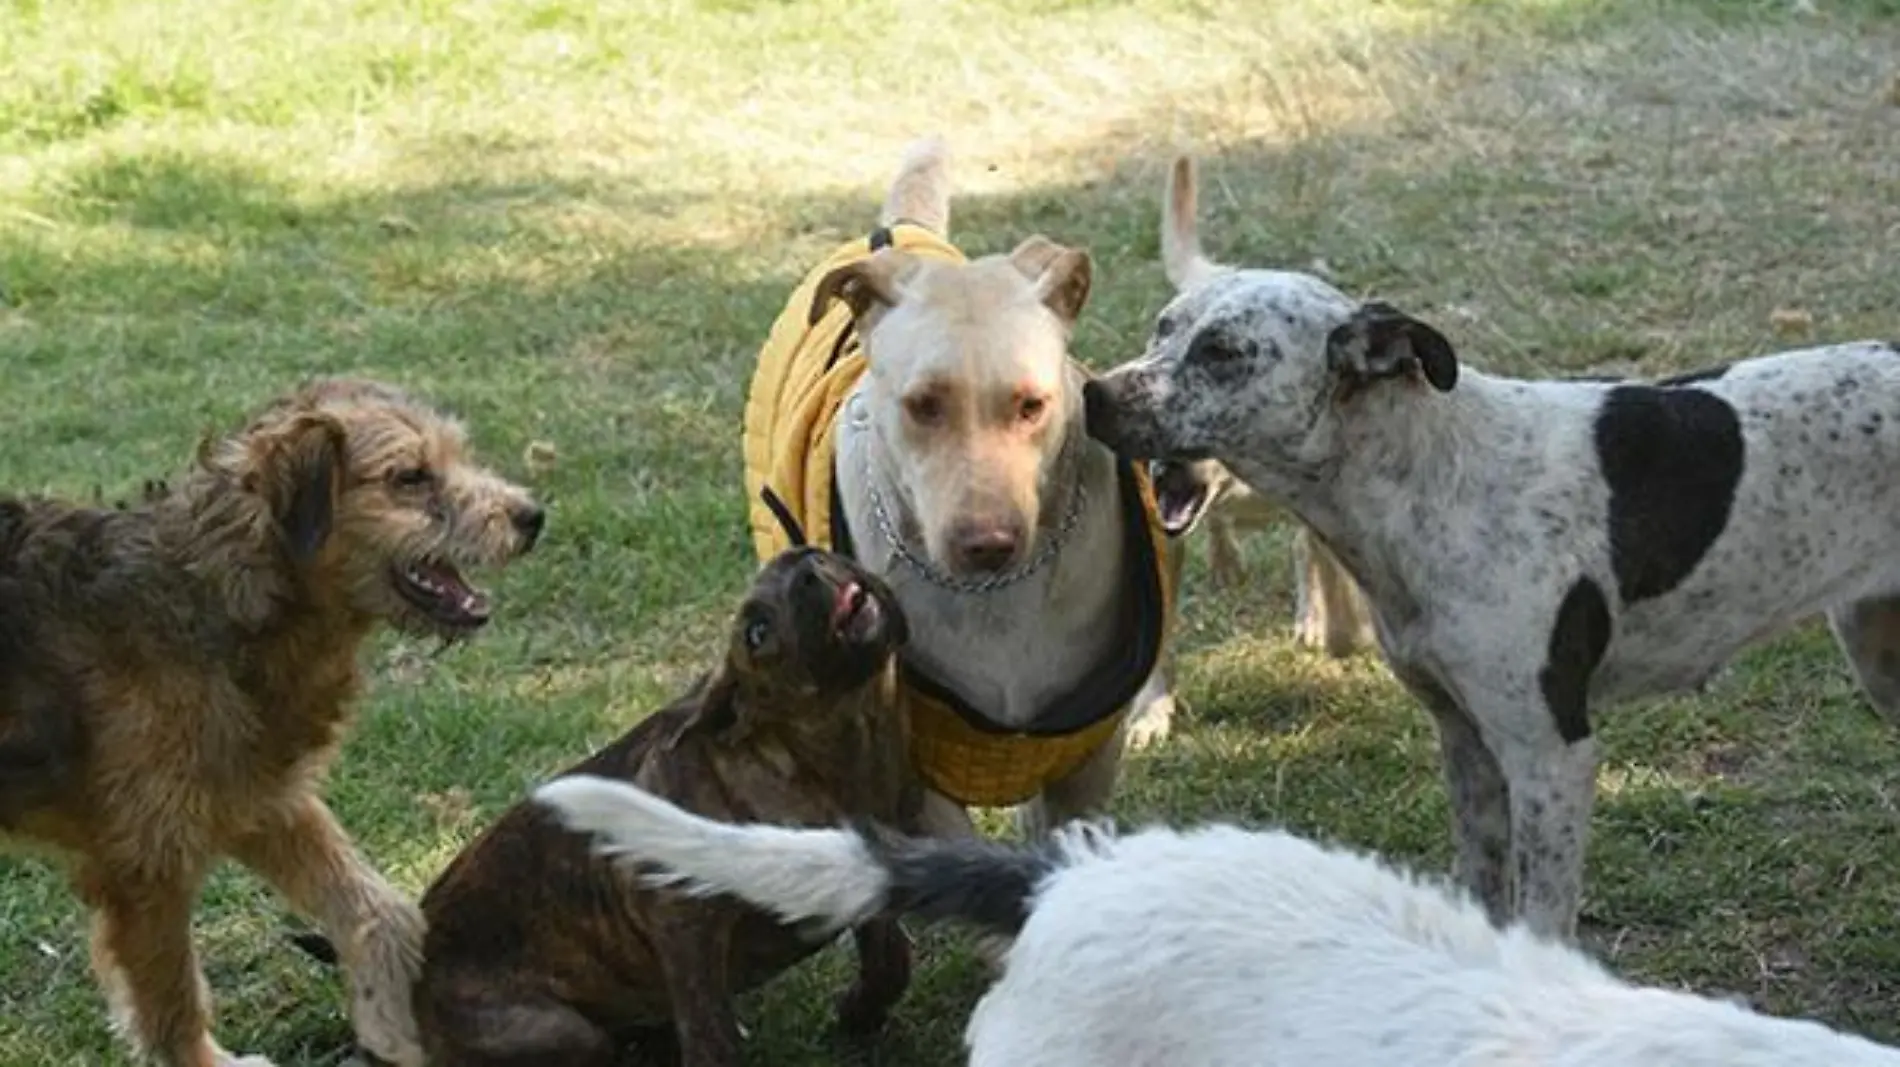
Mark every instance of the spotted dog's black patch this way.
pixel 1577 641
pixel 1706 374
pixel 1672 459
pixel 989 883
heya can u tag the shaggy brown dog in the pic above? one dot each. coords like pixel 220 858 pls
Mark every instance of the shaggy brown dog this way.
pixel 176 674
pixel 539 953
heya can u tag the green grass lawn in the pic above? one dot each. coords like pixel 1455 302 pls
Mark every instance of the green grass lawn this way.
pixel 574 226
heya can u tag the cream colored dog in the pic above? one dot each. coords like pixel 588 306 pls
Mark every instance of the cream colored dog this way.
pixel 936 434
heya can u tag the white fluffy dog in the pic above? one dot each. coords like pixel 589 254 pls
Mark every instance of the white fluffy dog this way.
pixel 1214 947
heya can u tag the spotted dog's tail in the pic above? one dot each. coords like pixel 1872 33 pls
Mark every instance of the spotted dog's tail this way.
pixel 840 877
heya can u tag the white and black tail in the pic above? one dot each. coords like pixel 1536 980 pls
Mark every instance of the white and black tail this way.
pixel 841 877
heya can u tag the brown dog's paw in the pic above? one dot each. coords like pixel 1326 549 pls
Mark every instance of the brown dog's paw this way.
pixel 863 1012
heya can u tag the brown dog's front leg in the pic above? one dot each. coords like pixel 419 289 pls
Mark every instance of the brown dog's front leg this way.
pixel 695 953
pixel 376 931
pixel 143 959
pixel 883 976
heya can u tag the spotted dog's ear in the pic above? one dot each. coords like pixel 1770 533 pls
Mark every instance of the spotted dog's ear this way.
pixel 1380 341
pixel 862 285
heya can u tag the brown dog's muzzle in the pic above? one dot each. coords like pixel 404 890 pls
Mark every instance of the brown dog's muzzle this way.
pixel 529 520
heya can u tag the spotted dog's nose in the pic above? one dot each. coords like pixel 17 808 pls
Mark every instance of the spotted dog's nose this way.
pixel 1098 411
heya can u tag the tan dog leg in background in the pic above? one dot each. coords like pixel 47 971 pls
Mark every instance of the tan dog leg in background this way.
pixel 1333 615
pixel 1223 553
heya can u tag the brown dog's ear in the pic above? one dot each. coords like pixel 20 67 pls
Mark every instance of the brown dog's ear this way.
pixel 299 469
pixel 862 285
pixel 1062 275
pixel 1380 341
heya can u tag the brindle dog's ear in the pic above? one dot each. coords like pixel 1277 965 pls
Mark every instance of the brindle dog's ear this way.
pixel 863 285
pixel 1380 341
pixel 715 711
pixel 299 469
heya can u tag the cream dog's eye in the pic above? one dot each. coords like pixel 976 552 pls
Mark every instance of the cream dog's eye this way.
pixel 925 409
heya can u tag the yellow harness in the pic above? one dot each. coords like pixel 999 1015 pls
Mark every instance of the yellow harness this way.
pixel 806 371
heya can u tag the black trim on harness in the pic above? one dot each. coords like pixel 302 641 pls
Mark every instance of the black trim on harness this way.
pixel 1104 691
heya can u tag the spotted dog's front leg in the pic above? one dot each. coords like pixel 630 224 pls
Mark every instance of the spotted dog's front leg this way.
pixel 1552 792
pixel 1480 799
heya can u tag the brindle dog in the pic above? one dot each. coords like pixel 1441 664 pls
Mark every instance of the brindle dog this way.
pixel 539 953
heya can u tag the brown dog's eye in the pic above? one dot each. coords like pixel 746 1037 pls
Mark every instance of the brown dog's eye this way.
pixel 925 409
pixel 1030 408
pixel 412 478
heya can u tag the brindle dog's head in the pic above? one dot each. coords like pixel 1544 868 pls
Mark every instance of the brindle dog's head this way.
pixel 814 624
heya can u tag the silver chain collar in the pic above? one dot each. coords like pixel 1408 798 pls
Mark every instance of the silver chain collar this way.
pixel 930 572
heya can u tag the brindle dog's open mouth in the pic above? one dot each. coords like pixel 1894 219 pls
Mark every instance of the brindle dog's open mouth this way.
pixel 856 614
pixel 437 590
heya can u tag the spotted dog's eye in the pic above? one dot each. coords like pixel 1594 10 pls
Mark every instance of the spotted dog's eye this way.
pixel 1030 408
pixel 1211 347
pixel 756 632
pixel 1165 327
pixel 412 478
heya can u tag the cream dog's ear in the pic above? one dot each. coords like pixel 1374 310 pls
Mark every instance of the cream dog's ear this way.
pixel 1062 275
pixel 872 282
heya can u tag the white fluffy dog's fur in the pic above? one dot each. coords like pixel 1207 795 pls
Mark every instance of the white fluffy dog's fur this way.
pixel 1213 947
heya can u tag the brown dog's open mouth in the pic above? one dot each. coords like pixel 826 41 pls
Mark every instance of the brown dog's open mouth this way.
pixel 855 614
pixel 437 589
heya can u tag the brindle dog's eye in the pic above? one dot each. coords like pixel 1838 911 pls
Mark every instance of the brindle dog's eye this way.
pixel 412 477
pixel 756 632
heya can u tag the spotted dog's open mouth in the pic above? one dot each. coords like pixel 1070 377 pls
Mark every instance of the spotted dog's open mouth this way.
pixel 437 590
pixel 855 614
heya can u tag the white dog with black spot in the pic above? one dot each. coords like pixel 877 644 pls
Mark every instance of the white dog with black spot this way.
pixel 1532 549
pixel 1212 947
